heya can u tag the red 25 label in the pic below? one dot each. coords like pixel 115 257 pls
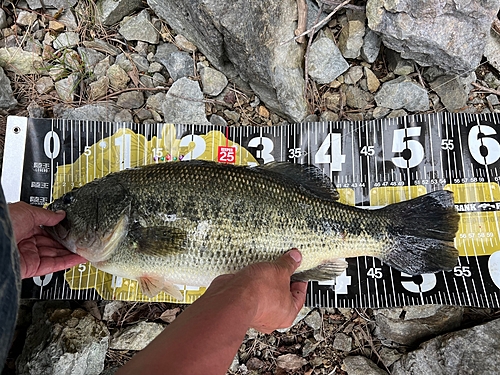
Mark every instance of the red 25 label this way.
pixel 226 155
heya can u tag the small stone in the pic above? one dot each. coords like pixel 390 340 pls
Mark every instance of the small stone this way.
pixel 118 78
pixel 111 309
pixel 144 114
pixel 102 46
pixel 380 112
pixel 389 356
pixel 451 91
pixel 357 98
pixel 328 116
pixel 56 26
pixel 355 116
pixel 19 61
pixel 213 81
pixel 184 44
pixel 314 320
pixel 7 100
pixel 184 103
pixel 325 61
pixel 217 120
pixel 48 52
pixel 99 88
pixel 263 111
pixel 123 116
pixel 359 365
pixel 71 60
pixel 90 57
pixel 397 113
pixel 65 88
pixel 290 362
pixel 26 18
pixel 308 347
pixel 396 64
pixel 371 46
pixel 131 99
pixel 141 62
pixel 147 81
pixel 254 364
pixel 139 28
pixel 112 11
pixel 155 102
pixel 342 342
pixel 179 64
pixel 135 337
pixel 158 80
pixel 232 115
pixel 351 39
pixel 353 75
pixel 35 111
pixel 372 81
pixel 101 68
pixel 402 93
pixel 155 67
pixel 492 99
pixel 3 19
pixel 57 72
pixel 66 40
pixel 44 85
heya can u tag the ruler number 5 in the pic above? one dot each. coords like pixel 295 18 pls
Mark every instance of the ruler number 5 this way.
pixel 401 143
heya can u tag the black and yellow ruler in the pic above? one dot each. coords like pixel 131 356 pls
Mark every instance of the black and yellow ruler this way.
pixel 372 163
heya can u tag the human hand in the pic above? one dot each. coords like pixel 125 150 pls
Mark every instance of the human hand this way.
pixel 273 302
pixel 39 253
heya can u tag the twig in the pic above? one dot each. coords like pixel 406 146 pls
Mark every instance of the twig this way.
pixel 496 26
pixel 486 89
pixel 301 20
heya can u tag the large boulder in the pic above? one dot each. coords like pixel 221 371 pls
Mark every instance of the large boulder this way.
pixel 448 33
pixel 248 41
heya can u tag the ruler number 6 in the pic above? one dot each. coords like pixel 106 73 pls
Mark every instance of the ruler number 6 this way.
pixel 401 143
pixel 483 148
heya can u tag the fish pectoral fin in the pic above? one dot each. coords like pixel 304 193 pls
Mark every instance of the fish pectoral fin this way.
pixel 151 286
pixel 323 272
pixel 159 241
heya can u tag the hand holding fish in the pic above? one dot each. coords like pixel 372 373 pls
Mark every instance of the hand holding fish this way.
pixel 39 253
pixel 206 336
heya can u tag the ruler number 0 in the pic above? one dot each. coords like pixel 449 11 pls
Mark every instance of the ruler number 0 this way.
pixel 401 143
pixel 483 148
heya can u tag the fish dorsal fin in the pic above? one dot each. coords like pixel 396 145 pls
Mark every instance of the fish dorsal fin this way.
pixel 159 241
pixel 309 177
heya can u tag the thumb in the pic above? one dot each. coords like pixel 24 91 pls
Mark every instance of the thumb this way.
pixel 290 261
pixel 45 217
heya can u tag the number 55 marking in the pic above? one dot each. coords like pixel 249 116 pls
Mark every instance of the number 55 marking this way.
pixel 401 143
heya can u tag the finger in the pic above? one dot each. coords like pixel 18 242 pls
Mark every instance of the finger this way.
pixel 49 218
pixel 299 292
pixel 290 261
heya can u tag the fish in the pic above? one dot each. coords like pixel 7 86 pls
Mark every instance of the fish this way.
pixel 187 222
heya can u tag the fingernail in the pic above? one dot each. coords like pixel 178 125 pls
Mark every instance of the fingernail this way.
pixel 296 256
pixel 59 212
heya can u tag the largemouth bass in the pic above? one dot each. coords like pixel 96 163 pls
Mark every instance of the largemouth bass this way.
pixel 188 222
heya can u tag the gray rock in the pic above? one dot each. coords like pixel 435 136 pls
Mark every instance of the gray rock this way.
pixel 62 341
pixel 124 62
pixel 163 52
pixel 446 33
pixel 139 28
pixel 67 17
pixel 342 342
pixel 179 64
pixel 35 110
pixel 213 81
pixel 58 4
pixel 353 75
pixel 451 91
pixel 304 311
pixel 217 120
pixel 25 18
pixel 357 98
pixel 155 67
pixel 358 365
pixel 371 46
pixel 111 308
pixel 325 61
pixel 492 50
pixel 397 113
pixel 7 100
pixel 246 49
pixel 71 61
pixel 351 39
pixel 3 19
pixel 184 104
pixel 314 320
pixel 123 116
pixel 493 100
pixel 141 62
pixel 372 82
pixel 147 81
pixel 402 93
pixel 380 112
pixel 232 115
pixel 44 85
pixel 389 356
pixel 66 40
pixel 184 44
pixel 469 351
pixel 136 337
pixel 57 72
pixel 118 78
pixel 101 68
pixel 66 87
pixel 411 324
pixel 90 57
pixel 113 11
pixel 90 112
pixel 155 102
pixel 99 88
pixel 397 65
pixel 130 99
pixel 158 80
pixel 492 81
pixel 143 114
pixel 290 362
pixel 19 61
pixel 329 116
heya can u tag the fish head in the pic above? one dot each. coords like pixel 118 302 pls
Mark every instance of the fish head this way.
pixel 96 220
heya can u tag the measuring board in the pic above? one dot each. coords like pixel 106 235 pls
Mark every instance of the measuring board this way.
pixel 372 163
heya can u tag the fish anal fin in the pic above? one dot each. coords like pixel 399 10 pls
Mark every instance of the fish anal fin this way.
pixel 159 241
pixel 151 286
pixel 326 271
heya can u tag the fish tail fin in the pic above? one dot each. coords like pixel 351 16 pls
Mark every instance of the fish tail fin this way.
pixel 423 231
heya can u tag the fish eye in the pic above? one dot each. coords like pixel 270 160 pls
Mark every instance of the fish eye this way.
pixel 68 198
